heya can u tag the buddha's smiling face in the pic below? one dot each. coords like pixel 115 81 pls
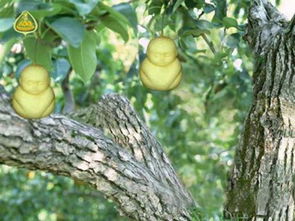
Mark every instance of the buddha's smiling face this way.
pixel 34 80
pixel 161 51
pixel 161 58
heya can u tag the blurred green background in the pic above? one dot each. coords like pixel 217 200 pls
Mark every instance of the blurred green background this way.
pixel 198 123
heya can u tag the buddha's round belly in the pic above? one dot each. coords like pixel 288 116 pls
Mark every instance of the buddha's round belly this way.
pixel 35 105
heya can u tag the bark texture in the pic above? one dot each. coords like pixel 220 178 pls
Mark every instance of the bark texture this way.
pixel 262 182
pixel 108 147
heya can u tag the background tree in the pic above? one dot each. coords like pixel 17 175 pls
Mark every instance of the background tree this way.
pixel 262 184
pixel 197 133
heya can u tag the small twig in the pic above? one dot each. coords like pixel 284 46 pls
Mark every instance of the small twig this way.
pixel 95 81
pixel 68 95
pixel 209 43
pixel 200 15
pixel 162 30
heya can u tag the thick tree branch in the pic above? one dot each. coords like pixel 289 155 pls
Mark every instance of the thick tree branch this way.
pixel 265 22
pixel 118 119
pixel 122 169
pixel 262 181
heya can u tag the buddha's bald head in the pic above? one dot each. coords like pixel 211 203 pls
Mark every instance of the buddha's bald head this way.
pixel 34 79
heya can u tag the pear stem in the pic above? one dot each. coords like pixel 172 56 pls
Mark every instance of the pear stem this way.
pixel 162 31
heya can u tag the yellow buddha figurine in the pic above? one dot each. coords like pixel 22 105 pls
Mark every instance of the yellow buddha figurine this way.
pixel 34 98
pixel 161 69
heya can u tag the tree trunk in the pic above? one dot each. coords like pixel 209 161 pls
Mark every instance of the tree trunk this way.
pixel 110 149
pixel 262 181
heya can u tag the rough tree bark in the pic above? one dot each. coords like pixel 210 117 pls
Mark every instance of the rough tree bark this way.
pixel 262 182
pixel 108 148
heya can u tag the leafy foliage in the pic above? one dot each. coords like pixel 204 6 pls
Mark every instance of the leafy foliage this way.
pixel 38 52
pixel 198 123
pixel 42 196
pixel 70 29
pixel 83 58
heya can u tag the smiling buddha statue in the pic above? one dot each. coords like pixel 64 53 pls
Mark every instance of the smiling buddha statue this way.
pixel 161 69
pixel 34 98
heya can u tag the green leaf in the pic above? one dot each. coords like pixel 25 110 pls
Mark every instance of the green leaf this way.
pixel 204 25
pixel 112 23
pixel 160 22
pixel 155 7
pixel 84 7
pixel 194 3
pixel 177 17
pixel 6 24
pixel 38 51
pixel 220 11
pixel 70 29
pixel 115 21
pixel 189 44
pixel 7 35
pixel 208 8
pixel 51 37
pixel 117 15
pixel 7 11
pixel 128 11
pixel 176 5
pixel 229 22
pixel 61 68
pixel 51 10
pixel 3 3
pixel 200 4
pixel 31 5
pixel 190 3
pixel 233 40
pixel 83 58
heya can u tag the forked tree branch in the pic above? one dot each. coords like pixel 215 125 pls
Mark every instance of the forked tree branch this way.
pixel 127 166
